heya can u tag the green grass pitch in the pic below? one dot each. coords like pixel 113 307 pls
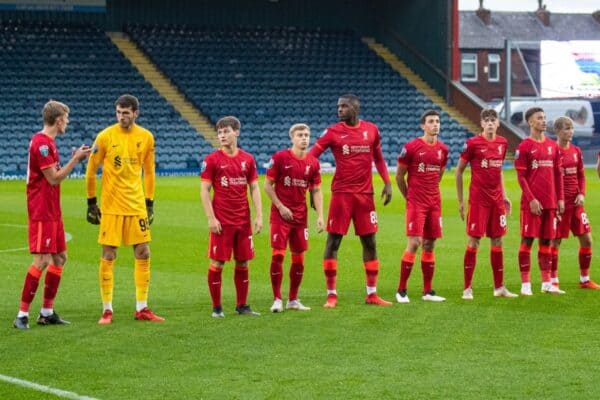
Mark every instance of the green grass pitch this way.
pixel 538 347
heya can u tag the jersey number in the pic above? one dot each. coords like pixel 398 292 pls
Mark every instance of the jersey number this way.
pixel 373 217
pixel 503 221
pixel 143 224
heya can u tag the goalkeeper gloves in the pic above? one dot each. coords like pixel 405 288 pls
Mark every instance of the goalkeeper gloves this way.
pixel 150 210
pixel 93 212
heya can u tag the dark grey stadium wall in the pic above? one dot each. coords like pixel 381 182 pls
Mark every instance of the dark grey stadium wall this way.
pixel 416 30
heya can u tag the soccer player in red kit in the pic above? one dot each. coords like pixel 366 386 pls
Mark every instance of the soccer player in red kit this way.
pixel 355 145
pixel 229 171
pixel 423 159
pixel 46 230
pixel 574 218
pixel 290 174
pixel 488 203
pixel 538 166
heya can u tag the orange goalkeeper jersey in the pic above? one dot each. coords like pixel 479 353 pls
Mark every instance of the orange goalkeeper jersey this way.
pixel 122 154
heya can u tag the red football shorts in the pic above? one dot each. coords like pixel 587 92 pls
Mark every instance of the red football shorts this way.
pixel 425 222
pixel 574 219
pixel 358 207
pixel 233 238
pixel 487 221
pixel 47 237
pixel 296 235
pixel 539 226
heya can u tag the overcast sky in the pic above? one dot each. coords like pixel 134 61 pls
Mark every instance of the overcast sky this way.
pixel 557 6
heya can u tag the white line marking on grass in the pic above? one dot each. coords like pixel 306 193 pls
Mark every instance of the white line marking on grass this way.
pixel 68 237
pixel 46 389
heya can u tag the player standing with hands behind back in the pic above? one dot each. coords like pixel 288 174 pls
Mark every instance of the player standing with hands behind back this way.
pixel 123 150
pixel 46 230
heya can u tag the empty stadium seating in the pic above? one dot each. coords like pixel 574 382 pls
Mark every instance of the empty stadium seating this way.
pixel 273 78
pixel 78 65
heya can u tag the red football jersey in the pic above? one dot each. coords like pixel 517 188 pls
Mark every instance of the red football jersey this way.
pixel 354 149
pixel 573 173
pixel 540 162
pixel 293 176
pixel 486 158
pixel 425 162
pixel 43 199
pixel 230 177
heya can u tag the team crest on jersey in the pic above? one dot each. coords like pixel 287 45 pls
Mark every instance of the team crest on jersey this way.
pixel 365 135
pixel 575 157
pixel 203 167
pixel 270 164
pixel 549 149
pixel 44 150
pixel 243 165
pixel 307 170
pixel 500 150
pixel 402 152
pixel 439 154
pixel 516 154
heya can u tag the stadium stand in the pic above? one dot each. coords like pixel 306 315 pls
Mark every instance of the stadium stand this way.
pixel 78 65
pixel 271 78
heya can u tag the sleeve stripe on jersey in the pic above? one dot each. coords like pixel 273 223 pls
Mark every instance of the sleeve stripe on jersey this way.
pixel 48 166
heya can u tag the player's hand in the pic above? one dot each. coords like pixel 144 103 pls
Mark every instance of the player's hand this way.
pixel 285 213
pixel 535 207
pixel 561 207
pixel 150 210
pixel 461 210
pixel 386 193
pixel 214 225
pixel 93 212
pixel 81 153
pixel 507 205
pixel 257 225
pixel 579 200
pixel 320 224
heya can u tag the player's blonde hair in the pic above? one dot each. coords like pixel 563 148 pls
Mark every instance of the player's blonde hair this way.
pixel 562 123
pixel 298 127
pixel 52 110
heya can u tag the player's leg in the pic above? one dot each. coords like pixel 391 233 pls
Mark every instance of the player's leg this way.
pixel 338 221
pixel 548 232
pixel 562 232
pixel 371 266
pixel 497 263
pixel 469 262
pixel 432 230
pixel 243 251
pixel 585 260
pixel 30 286
pixel 220 247
pixel 279 231
pixel 51 282
pixel 554 251
pixel 530 227
pixel 298 239
pixel 415 220
pixel 141 252
pixel 109 237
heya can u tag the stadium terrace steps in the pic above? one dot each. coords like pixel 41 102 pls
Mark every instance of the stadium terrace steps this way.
pixel 165 87
pixel 419 83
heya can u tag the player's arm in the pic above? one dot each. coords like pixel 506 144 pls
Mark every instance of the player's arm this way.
pixel 581 183
pixel 381 166
pixel 558 178
pixel 55 176
pixel 256 201
pixel 534 205
pixel 505 199
pixel 460 169
pixel 150 180
pixel 93 211
pixel 401 171
pixel 285 212
pixel 317 196
pixel 214 225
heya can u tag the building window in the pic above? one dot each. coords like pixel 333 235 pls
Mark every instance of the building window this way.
pixel 468 68
pixel 493 67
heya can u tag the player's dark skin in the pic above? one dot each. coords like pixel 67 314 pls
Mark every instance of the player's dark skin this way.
pixel 348 110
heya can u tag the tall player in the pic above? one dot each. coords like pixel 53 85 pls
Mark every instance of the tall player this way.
pixel 574 218
pixel 423 159
pixel 355 145
pixel 290 174
pixel 230 171
pixel 124 150
pixel 538 166
pixel 488 203
pixel 46 230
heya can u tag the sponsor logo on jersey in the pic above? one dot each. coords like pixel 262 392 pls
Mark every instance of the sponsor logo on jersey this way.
pixel 287 181
pixel 44 150
pixel 224 181
pixel 345 149
pixel 117 161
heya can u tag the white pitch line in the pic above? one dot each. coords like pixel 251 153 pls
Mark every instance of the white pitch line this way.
pixel 68 237
pixel 45 389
